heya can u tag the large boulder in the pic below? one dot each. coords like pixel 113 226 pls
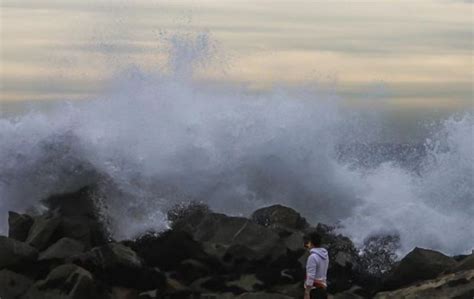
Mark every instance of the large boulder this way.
pixel 41 233
pixel 169 249
pixel 119 265
pixel 419 264
pixel 279 216
pixel 62 250
pixel 15 253
pixel 227 231
pixel 465 264
pixel 19 225
pixel 67 281
pixel 79 216
pixel 13 285
pixel 456 285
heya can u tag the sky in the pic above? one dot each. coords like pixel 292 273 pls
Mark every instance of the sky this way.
pixel 410 55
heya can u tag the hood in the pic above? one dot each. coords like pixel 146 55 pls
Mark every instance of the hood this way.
pixel 321 252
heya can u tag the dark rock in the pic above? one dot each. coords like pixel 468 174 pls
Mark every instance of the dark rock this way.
pixel 227 231
pixel 19 225
pixel 466 264
pixel 458 285
pixel 13 285
pixel 186 215
pixel 41 233
pixel 80 217
pixel 169 249
pixel 62 249
pixel 419 264
pixel 15 253
pixel 66 281
pixel 117 264
pixel 278 215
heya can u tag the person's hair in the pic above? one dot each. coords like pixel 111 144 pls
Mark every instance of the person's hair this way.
pixel 313 237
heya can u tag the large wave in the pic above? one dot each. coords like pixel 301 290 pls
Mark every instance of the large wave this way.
pixel 156 139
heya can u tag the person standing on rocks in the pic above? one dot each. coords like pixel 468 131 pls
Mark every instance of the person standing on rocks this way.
pixel 316 268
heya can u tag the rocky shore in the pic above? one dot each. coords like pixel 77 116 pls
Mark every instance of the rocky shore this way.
pixel 67 252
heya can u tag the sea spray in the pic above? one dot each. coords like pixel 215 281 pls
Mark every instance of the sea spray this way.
pixel 156 139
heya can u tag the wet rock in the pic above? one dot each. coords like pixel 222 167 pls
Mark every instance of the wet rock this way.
pixel 15 253
pixel 66 281
pixel 419 264
pixel 279 216
pixel 79 216
pixel 13 285
pixel 466 264
pixel 169 249
pixel 62 250
pixel 19 225
pixel 249 283
pixel 227 231
pixel 117 264
pixel 41 233
pixel 456 285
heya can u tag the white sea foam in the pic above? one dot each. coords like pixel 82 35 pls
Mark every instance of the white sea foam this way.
pixel 160 138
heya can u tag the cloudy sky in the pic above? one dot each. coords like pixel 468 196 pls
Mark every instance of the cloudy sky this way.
pixel 414 54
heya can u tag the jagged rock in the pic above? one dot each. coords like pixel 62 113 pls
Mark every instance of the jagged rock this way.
pixel 123 293
pixel 41 233
pixel 119 265
pixel 262 295
pixel 294 290
pixel 62 249
pixel 13 285
pixel 167 250
pixel 79 215
pixel 278 215
pixel 227 231
pixel 185 216
pixel 248 282
pixel 352 293
pixel 15 253
pixel 466 264
pixel 419 264
pixel 189 270
pixel 19 225
pixel 456 285
pixel 67 281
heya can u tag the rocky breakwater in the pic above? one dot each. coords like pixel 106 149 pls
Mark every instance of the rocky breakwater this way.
pixel 66 252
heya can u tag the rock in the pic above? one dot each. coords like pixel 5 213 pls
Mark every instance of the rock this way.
pixel 278 215
pixel 162 250
pixel 227 231
pixel 466 264
pixel 189 270
pixel 119 265
pixel 419 264
pixel 67 281
pixel 15 253
pixel 262 295
pixel 248 282
pixel 123 293
pixel 352 293
pixel 62 249
pixel 13 285
pixel 294 290
pixel 79 215
pixel 41 233
pixel 456 285
pixel 19 225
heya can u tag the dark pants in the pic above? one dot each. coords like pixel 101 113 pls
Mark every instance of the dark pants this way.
pixel 318 293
